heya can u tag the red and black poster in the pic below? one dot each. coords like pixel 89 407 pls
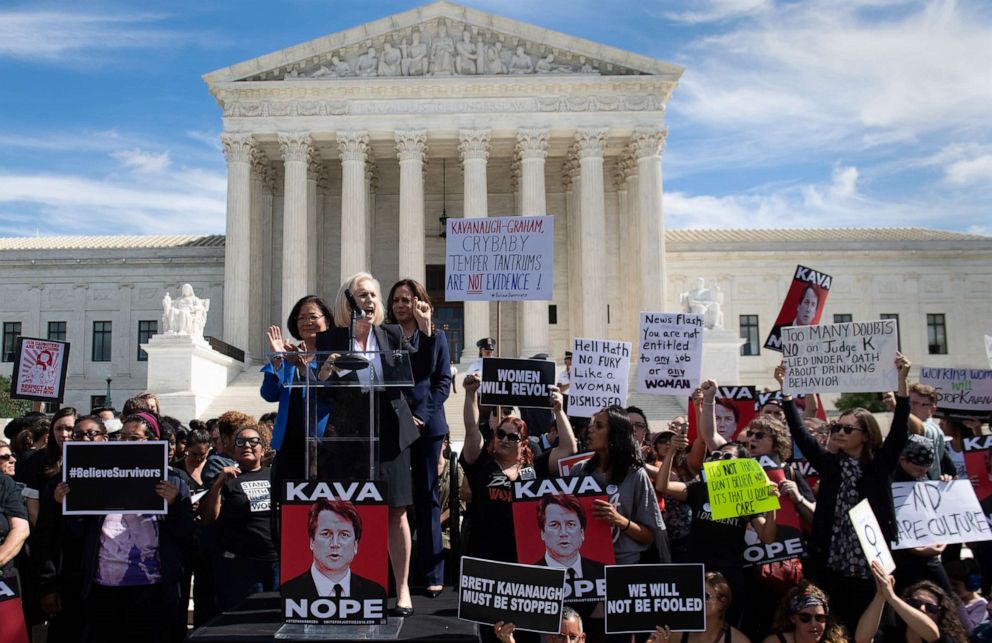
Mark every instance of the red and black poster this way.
pixel 978 463
pixel 40 367
pixel 555 526
pixel 333 558
pixel 734 407
pixel 803 303
pixel 13 629
pixel 789 541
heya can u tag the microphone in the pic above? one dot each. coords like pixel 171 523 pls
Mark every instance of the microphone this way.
pixel 355 308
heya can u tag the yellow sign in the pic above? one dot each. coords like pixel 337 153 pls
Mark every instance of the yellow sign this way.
pixel 738 487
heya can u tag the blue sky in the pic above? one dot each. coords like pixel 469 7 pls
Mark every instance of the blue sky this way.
pixel 806 113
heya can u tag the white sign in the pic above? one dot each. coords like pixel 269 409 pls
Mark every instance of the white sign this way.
pixel 671 353
pixel 932 512
pixel 499 258
pixel 870 536
pixel 600 369
pixel 964 390
pixel 988 349
pixel 856 357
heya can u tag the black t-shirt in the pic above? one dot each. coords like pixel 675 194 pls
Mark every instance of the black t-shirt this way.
pixel 491 511
pixel 244 522
pixel 11 506
pixel 717 543
pixel 213 466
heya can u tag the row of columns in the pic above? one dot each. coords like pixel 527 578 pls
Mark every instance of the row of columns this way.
pixel 638 182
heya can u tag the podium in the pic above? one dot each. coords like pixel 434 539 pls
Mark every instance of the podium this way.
pixel 358 387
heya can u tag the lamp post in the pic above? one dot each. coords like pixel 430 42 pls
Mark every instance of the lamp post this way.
pixel 107 402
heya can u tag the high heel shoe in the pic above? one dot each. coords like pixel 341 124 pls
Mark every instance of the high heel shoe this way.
pixel 430 592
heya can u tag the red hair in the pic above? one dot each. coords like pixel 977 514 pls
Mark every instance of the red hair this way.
pixel 526 456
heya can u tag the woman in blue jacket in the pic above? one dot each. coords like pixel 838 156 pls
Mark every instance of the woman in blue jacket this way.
pixel 426 400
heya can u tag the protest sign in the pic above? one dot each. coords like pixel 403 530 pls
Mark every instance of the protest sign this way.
pixel 114 477
pixel 734 407
pixel 499 258
pixel 600 369
pixel 554 526
pixel 803 303
pixel 333 531
pixel 960 391
pixel 640 597
pixel 988 349
pixel 856 357
pixel 870 536
pixel 671 353
pixel 932 512
pixel 14 629
pixel 789 542
pixel 516 382
pixel 738 487
pixel 529 597
pixel 40 367
pixel 565 465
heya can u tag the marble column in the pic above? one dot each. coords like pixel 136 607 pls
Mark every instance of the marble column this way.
pixel 474 149
pixel 354 147
pixel 314 168
pixel 238 149
pixel 532 316
pixel 646 145
pixel 572 183
pixel 411 148
pixel 297 149
pixel 592 239
pixel 260 275
pixel 630 244
pixel 371 188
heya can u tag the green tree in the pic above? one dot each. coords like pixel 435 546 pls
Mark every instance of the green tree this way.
pixel 868 401
pixel 11 408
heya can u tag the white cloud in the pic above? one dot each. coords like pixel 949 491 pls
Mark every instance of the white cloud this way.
pixel 208 138
pixel 143 161
pixel 971 171
pixel 718 10
pixel 66 36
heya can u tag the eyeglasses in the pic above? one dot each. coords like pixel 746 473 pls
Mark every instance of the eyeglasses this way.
pixel 930 608
pixel 252 442
pixel 678 425
pixel 722 455
pixel 503 435
pixel 806 617
pixel 6 456
pixel 846 428
pixel 134 438
pixel 87 435
pixel 313 319
pixel 757 435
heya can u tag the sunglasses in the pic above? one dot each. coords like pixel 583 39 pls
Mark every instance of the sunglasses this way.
pixel 6 456
pixel 503 435
pixel 846 428
pixel 678 425
pixel 930 608
pixel 757 435
pixel 722 455
pixel 806 617
pixel 664 438
pixel 252 442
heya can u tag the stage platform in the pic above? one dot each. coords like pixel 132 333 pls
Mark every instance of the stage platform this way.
pixel 257 619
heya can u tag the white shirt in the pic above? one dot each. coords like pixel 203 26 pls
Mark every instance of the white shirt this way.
pixel 365 375
pixel 575 567
pixel 325 586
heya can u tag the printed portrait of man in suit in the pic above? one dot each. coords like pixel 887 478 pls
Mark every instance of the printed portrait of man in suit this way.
pixel 562 522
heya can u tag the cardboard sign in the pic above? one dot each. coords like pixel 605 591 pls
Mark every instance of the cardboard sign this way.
pixel 856 357
pixel 640 597
pixel 499 258
pixel 565 465
pixel 803 304
pixel 734 407
pixel 870 536
pixel 527 596
pixel 738 487
pixel 523 383
pixel 114 477
pixel 960 391
pixel 554 526
pixel 789 542
pixel 600 369
pixel 671 353
pixel 931 512
pixel 40 367
pixel 348 536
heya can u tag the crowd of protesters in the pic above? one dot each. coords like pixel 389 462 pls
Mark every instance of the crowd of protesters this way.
pixel 132 577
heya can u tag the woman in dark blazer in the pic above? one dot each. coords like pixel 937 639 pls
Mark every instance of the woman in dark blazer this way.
pixel 426 400
pixel 349 419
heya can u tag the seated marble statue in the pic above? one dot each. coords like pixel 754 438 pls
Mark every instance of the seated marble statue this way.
pixel 186 315
pixel 706 302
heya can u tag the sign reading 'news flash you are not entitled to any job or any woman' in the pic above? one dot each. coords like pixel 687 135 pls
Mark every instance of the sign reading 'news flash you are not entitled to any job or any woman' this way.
pixel 499 258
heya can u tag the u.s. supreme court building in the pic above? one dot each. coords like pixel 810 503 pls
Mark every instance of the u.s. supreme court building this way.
pixel 345 153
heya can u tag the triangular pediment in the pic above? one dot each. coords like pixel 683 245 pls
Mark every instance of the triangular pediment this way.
pixel 442 39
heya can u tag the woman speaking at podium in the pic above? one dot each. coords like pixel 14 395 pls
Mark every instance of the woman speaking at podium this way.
pixel 359 302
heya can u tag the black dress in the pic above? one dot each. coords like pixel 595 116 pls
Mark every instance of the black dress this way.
pixel 350 417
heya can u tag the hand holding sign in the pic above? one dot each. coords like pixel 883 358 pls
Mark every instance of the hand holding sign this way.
pixel 885 584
